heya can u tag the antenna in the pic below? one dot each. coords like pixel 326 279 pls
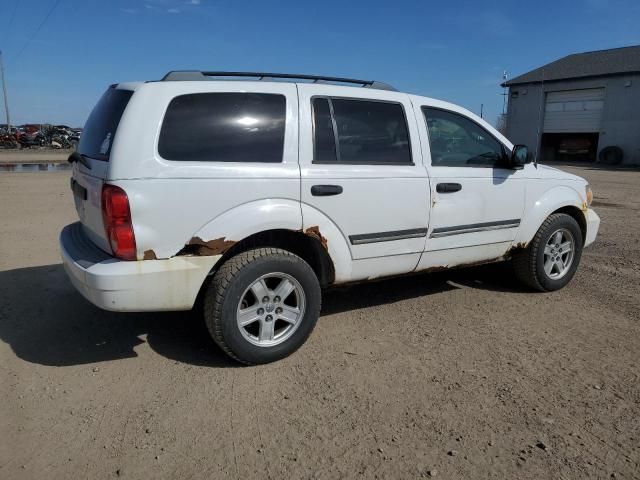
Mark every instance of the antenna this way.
pixel 540 120
pixel 505 76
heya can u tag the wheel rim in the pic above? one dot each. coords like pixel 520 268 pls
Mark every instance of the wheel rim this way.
pixel 271 309
pixel 559 252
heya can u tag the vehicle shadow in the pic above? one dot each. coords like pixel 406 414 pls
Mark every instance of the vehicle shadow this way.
pixel 45 321
pixel 496 277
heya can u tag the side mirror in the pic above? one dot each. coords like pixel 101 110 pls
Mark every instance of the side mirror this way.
pixel 519 157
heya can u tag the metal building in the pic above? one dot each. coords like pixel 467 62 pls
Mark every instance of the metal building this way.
pixel 575 107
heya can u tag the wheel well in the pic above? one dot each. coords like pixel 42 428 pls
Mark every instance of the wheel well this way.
pixel 309 248
pixel 578 216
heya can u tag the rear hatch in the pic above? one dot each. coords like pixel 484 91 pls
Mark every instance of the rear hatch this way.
pixel 92 164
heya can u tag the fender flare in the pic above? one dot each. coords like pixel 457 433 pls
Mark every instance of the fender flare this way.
pixel 553 199
pixel 224 231
pixel 238 223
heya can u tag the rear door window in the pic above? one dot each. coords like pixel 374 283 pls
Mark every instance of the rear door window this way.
pixel 100 128
pixel 224 127
pixel 366 132
pixel 324 136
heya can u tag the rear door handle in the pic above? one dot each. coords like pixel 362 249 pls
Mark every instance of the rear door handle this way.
pixel 448 187
pixel 326 190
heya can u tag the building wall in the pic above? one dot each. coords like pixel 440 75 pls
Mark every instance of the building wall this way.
pixel 620 118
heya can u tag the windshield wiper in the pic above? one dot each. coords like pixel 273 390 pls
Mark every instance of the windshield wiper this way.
pixel 80 158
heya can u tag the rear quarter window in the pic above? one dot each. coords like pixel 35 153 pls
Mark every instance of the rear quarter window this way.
pixel 100 128
pixel 224 127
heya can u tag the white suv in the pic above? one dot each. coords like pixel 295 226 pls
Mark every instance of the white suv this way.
pixel 251 196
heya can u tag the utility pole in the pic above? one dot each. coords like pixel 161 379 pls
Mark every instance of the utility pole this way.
pixel 505 77
pixel 4 90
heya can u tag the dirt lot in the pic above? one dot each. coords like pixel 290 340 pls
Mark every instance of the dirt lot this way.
pixel 454 375
pixel 33 155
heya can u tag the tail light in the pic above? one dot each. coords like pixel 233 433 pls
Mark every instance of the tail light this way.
pixel 116 216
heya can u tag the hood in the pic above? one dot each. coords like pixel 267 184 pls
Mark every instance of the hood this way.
pixel 545 171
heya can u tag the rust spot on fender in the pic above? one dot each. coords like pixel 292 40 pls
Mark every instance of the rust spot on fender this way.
pixel 314 232
pixel 198 247
pixel 149 255
pixel 434 269
pixel 518 247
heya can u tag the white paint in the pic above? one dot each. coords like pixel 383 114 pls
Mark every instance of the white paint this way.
pixel 137 286
pixel 172 202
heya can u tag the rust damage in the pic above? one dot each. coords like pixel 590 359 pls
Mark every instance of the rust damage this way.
pixel 465 265
pixel 198 247
pixel 149 255
pixel 314 232
pixel 518 247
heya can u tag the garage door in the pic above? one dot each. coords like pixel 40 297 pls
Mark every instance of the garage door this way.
pixel 574 111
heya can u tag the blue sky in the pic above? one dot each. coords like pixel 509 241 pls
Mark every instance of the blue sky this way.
pixel 453 50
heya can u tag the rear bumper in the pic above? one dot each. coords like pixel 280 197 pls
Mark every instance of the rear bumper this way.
pixel 593 224
pixel 131 286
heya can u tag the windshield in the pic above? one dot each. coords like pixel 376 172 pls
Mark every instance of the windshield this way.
pixel 100 129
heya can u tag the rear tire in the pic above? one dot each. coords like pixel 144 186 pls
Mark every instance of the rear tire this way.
pixel 552 258
pixel 262 305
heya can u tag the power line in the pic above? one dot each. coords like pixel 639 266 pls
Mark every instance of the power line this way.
pixel 37 30
pixel 13 14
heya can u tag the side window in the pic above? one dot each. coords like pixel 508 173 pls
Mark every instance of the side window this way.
pixel 457 141
pixel 367 132
pixel 224 127
pixel 324 145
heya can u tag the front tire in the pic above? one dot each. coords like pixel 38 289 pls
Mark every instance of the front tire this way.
pixel 262 305
pixel 551 259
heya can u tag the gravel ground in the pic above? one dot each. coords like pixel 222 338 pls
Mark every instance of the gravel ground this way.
pixel 33 155
pixel 456 375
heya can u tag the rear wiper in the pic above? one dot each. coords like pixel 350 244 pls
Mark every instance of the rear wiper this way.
pixel 80 158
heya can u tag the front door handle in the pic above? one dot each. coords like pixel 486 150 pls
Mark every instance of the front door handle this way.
pixel 448 187
pixel 326 190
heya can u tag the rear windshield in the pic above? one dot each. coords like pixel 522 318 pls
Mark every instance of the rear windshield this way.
pixel 101 126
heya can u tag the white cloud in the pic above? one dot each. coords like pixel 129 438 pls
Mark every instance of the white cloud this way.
pixel 193 2
pixel 130 11
pixel 173 10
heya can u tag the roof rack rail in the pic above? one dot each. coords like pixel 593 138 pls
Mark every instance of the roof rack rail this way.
pixel 191 75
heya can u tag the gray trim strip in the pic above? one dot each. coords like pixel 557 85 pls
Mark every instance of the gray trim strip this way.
pixel 387 236
pixel 474 227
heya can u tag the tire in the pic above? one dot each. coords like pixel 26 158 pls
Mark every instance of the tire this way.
pixel 611 155
pixel 231 291
pixel 529 264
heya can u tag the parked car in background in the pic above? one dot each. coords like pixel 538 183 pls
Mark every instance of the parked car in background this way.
pixel 574 146
pixel 40 136
pixel 249 197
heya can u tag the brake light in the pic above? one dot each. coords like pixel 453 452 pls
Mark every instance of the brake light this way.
pixel 116 216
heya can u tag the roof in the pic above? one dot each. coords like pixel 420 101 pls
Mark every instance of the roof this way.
pixel 197 75
pixel 588 64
